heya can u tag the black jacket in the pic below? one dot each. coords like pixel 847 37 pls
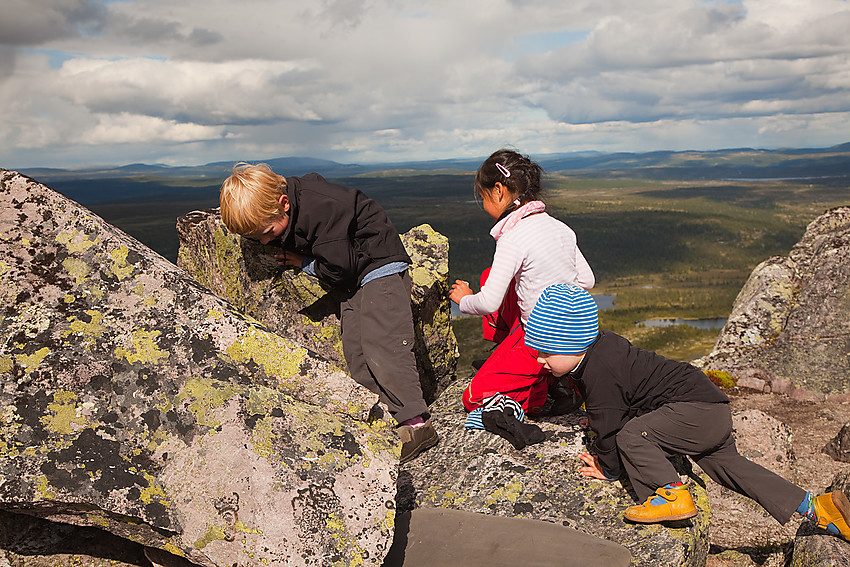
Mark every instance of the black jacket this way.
pixel 347 233
pixel 620 381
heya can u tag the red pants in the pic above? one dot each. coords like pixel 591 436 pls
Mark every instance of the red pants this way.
pixel 512 369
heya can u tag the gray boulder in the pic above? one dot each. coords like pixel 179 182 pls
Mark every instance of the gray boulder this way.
pixel 296 305
pixel 135 401
pixel 477 471
pixel 791 320
pixel 469 471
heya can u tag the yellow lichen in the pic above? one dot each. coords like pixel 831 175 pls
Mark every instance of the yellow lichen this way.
pixel 171 548
pixel 64 417
pixel 75 242
pixel 119 266
pixel 153 492
pixel 43 490
pixel 204 395
pixel 510 492
pixel 31 361
pixel 143 349
pixel 93 328
pixel 278 357
pixel 78 269
pixel 213 533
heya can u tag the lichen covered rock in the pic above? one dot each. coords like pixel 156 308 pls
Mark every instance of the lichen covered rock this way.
pixel 296 305
pixel 791 320
pixel 478 471
pixel 136 401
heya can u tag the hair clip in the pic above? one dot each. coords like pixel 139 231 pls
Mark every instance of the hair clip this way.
pixel 503 169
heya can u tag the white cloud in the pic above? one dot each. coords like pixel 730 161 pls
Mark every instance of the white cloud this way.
pixel 365 80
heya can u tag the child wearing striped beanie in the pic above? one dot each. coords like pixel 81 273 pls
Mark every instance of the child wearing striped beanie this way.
pixel 645 408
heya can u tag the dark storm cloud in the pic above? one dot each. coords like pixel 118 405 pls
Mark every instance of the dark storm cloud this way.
pixel 29 23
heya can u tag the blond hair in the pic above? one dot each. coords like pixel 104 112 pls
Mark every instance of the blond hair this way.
pixel 250 198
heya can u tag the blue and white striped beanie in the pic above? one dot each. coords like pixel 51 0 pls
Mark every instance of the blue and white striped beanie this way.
pixel 564 321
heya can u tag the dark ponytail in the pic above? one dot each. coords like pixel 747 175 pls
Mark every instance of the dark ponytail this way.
pixel 513 170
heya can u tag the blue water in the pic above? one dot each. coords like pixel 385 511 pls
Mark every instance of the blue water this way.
pixel 698 323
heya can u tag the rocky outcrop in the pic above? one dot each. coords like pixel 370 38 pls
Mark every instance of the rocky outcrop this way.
pixel 790 324
pixel 135 401
pixel 296 305
pixel 477 471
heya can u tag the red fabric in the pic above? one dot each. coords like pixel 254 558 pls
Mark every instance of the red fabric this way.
pixel 512 369
pixel 496 326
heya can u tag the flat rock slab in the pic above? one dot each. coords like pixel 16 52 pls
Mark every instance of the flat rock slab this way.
pixel 441 536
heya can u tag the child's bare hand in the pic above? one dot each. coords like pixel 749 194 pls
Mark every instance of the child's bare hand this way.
pixel 289 259
pixel 459 289
pixel 591 468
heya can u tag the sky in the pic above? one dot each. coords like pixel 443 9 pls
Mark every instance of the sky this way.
pixel 188 82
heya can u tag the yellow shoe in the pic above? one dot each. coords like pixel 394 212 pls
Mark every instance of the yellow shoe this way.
pixel 663 506
pixel 833 512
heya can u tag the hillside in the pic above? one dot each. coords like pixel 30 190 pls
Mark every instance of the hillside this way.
pixel 670 234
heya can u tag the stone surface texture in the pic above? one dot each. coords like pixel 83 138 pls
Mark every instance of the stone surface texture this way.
pixel 297 306
pixel 478 471
pixel 791 320
pixel 136 401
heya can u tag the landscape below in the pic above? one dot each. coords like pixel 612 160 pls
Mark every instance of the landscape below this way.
pixel 669 234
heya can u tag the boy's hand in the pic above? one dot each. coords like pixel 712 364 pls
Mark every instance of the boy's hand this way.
pixel 289 259
pixel 459 289
pixel 591 468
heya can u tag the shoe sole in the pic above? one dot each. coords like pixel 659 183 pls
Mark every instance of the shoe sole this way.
pixel 662 519
pixel 842 506
pixel 426 444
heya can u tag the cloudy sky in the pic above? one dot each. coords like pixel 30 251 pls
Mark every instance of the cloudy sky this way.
pixel 193 81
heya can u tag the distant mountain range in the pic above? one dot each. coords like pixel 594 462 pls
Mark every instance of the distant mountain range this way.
pixel 737 163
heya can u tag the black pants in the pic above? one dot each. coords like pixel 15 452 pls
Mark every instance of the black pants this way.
pixel 377 340
pixel 703 431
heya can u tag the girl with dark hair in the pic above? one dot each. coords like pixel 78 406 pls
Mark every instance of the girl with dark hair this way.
pixel 533 251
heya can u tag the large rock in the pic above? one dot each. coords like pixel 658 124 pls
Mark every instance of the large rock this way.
pixel 477 471
pixel 135 401
pixel 470 471
pixel 791 320
pixel 295 305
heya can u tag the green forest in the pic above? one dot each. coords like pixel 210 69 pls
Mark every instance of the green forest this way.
pixel 664 248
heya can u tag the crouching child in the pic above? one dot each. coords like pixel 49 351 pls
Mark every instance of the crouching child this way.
pixel 645 408
pixel 345 239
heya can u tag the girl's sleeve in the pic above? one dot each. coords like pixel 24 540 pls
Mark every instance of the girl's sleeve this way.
pixel 506 263
pixel 585 278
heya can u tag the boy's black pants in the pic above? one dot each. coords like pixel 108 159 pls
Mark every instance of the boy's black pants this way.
pixel 703 431
pixel 377 340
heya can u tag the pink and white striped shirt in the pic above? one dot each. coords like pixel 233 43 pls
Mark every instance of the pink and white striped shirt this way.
pixel 535 250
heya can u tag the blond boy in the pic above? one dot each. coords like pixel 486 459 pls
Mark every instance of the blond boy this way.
pixel 345 239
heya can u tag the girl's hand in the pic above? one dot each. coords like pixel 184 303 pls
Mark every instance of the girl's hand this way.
pixel 591 468
pixel 459 289
pixel 288 258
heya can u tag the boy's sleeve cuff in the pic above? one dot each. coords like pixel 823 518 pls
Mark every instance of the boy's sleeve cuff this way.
pixel 308 265
pixel 610 475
